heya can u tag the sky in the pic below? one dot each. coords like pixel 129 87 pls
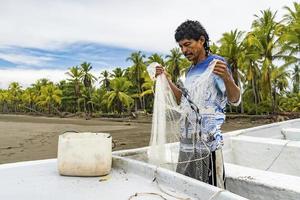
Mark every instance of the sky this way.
pixel 42 39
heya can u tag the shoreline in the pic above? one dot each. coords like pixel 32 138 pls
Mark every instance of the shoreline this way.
pixel 24 137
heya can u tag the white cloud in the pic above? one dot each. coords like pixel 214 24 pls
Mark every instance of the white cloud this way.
pixel 136 24
pixel 146 25
pixel 22 59
pixel 28 76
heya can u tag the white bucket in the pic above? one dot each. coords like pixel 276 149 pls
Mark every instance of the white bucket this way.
pixel 84 154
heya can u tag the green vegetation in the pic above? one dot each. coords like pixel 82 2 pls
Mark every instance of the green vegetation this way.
pixel 264 61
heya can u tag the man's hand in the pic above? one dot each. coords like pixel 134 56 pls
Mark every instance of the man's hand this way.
pixel 176 91
pixel 232 90
pixel 221 70
pixel 159 70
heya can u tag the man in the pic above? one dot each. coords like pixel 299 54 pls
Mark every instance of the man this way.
pixel 194 160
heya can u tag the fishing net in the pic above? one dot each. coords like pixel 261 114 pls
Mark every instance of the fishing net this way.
pixel 182 135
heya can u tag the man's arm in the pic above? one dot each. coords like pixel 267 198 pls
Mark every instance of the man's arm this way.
pixel 232 90
pixel 176 91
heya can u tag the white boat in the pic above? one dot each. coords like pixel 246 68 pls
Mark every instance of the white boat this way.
pixel 129 179
pixel 260 163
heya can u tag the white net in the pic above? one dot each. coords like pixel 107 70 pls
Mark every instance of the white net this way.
pixel 177 135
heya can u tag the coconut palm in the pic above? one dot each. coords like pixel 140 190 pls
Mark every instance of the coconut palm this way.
pixel 137 58
pixel 296 79
pixel 248 63
pixel 156 58
pixel 279 79
pixel 75 73
pixel 50 95
pixel 29 97
pixel 104 79
pixel 173 63
pixel 88 79
pixel 214 49
pixel 14 94
pixel 265 31
pixel 117 72
pixel 4 100
pixel 119 96
pixel 290 103
pixel 291 38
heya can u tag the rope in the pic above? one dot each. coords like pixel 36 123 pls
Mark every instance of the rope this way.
pixel 145 193
pixel 163 191
pixel 272 163
pixel 216 194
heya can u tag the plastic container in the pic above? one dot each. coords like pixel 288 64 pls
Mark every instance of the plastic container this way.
pixel 84 154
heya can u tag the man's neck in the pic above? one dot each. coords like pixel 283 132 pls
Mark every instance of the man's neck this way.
pixel 200 58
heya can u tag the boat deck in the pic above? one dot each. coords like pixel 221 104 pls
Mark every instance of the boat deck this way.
pixel 40 180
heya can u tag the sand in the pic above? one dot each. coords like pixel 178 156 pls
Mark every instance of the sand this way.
pixel 24 138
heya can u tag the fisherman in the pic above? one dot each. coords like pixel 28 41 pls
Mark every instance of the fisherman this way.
pixel 194 43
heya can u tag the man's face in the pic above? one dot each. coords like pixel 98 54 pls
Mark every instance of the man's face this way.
pixel 192 49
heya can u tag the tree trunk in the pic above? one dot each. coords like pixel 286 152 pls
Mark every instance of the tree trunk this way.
pixel 49 108
pixel 242 104
pixel 254 94
pixel 135 105
pixel 274 98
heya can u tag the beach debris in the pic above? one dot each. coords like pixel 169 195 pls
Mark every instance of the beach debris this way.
pixel 104 178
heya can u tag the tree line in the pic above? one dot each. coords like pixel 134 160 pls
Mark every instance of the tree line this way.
pixel 264 63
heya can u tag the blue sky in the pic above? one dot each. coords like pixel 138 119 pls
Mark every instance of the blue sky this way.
pixel 101 56
pixel 44 38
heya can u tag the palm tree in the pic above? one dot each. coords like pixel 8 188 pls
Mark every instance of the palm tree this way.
pixel 4 100
pixel 296 79
pixel 119 96
pixel 14 94
pixel 173 63
pixel 290 103
pixel 117 72
pixel 156 58
pixel 137 70
pixel 291 38
pixel 98 99
pixel 104 76
pixel 148 92
pixel 50 95
pixel 214 48
pixel 279 79
pixel 75 73
pixel 266 31
pixel 29 97
pixel 87 78
pixel 250 67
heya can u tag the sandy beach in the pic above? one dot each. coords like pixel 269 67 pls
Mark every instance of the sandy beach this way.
pixel 24 138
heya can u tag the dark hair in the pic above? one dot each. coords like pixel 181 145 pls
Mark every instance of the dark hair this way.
pixel 192 30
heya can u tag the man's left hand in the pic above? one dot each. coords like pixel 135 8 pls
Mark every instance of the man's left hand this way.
pixel 221 70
